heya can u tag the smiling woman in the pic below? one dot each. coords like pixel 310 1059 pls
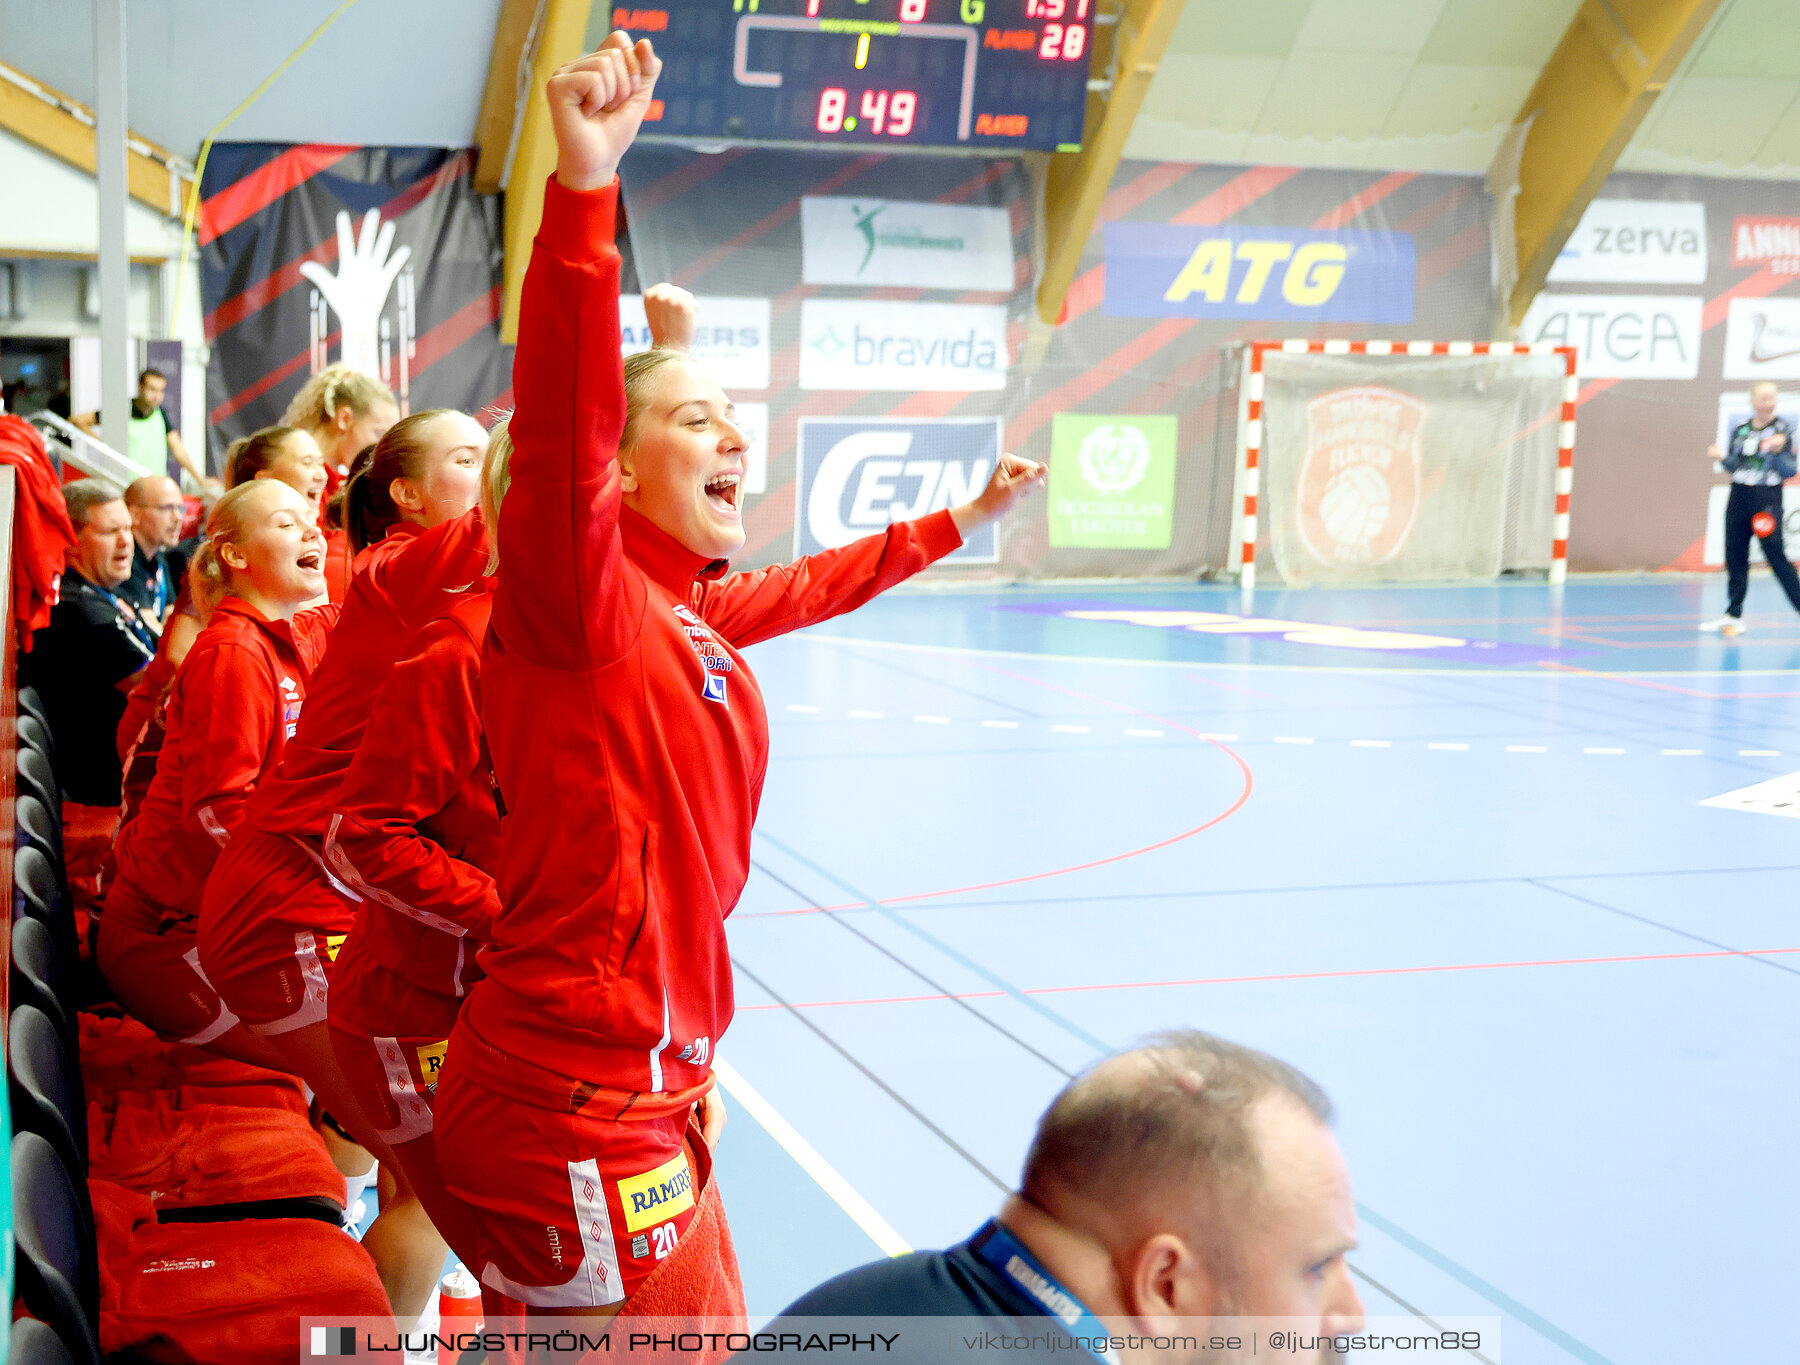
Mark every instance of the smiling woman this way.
pixel 230 712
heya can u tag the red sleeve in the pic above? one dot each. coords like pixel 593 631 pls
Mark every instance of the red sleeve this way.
pixel 747 607
pixel 422 743
pixel 559 604
pixel 421 579
pixel 230 716
pixel 311 629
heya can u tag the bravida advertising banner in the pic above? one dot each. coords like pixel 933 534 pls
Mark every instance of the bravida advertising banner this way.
pixel 1174 271
pixel 889 242
pixel 731 337
pixel 877 344
pixel 859 476
pixel 384 258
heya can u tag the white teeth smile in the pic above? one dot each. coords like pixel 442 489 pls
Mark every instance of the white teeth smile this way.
pixel 308 561
pixel 723 488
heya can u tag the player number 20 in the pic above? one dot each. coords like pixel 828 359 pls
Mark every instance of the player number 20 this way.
pixel 1064 42
pixel 662 1240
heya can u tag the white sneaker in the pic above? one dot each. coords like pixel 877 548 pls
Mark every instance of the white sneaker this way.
pixel 1721 625
pixel 1732 629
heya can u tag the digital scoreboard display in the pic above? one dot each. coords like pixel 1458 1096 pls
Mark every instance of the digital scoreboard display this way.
pixel 987 75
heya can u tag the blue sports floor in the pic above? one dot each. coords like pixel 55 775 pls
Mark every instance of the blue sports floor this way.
pixel 1470 887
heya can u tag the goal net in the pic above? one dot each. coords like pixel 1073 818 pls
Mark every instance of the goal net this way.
pixel 1387 462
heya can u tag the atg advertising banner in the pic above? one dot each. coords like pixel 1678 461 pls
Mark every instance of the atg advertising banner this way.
pixel 857 476
pixel 1174 271
pixel 383 258
pixel 1112 482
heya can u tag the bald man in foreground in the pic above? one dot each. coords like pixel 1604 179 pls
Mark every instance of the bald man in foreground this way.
pixel 1190 1178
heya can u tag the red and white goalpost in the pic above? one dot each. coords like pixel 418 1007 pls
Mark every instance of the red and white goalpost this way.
pixel 1392 461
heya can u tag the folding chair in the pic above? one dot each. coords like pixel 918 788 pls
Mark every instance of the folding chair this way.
pixel 56 1272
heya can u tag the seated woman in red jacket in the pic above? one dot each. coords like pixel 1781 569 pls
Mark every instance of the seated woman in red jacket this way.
pixel 230 712
pixel 630 743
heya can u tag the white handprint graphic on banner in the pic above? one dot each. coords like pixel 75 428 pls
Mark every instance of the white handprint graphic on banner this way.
pixel 359 290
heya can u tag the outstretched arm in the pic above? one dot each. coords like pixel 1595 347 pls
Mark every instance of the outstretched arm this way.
pixel 557 603
pixel 749 607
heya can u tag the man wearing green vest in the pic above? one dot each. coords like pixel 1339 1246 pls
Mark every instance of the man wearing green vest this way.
pixel 153 438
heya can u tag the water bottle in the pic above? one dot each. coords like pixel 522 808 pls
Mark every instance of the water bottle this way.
pixel 459 1311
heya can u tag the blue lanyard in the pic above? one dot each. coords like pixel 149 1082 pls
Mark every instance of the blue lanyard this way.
pixel 999 1249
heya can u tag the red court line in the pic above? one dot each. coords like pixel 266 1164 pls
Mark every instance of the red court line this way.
pixel 1226 814
pixel 1662 687
pixel 1282 976
pixel 241 199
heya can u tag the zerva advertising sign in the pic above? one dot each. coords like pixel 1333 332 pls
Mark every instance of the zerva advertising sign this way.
pixel 1166 270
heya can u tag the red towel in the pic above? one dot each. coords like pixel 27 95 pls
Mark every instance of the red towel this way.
pixel 701 1279
pixel 187 1154
pixel 41 528
pixel 200 1293
pixel 121 1054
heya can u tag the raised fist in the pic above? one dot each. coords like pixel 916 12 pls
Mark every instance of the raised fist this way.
pixel 671 312
pixel 596 104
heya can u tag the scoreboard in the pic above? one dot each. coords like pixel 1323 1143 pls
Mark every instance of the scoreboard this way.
pixel 984 75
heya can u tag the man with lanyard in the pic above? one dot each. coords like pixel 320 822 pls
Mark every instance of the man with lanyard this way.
pixel 82 663
pixel 1760 459
pixel 153 438
pixel 159 557
pixel 1187 1179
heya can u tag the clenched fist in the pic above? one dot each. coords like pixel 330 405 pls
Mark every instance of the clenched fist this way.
pixel 1013 478
pixel 596 105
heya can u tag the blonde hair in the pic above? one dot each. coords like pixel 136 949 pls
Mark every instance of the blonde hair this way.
pixel 334 387
pixel 496 478
pixel 638 369
pixel 207 573
pixel 250 455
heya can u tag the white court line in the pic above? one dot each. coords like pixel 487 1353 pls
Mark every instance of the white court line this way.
pixel 1527 749
pixel 1371 744
pixel 861 1212
pixel 1681 753
pixel 869 715
pixel 1001 724
pixel 1072 729
pixel 932 720
pixel 1759 753
pixel 798 709
pixel 1437 744
pixel 1146 734
pixel 1292 739
pixel 1602 751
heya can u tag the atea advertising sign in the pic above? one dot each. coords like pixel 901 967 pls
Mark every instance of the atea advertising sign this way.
pixel 857 476
pixel 1112 482
pixel 1171 271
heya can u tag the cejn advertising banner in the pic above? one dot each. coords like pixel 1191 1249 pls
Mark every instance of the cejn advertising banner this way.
pixel 857 477
pixel 383 258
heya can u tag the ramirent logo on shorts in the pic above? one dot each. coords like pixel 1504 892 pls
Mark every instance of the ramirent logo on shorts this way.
pixel 1054 1300
pixel 657 1196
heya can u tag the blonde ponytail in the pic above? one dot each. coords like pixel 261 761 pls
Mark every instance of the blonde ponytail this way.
pixel 496 478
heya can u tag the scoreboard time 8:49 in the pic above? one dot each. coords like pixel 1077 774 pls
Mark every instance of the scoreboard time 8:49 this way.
pixel 988 75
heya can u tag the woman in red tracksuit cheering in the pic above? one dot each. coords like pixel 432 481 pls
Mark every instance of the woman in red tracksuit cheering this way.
pixel 233 706
pixel 630 743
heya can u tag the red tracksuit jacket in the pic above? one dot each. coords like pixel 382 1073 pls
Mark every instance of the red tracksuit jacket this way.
pixel 231 711
pixel 628 735
pixel 417 833
pixel 400 583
